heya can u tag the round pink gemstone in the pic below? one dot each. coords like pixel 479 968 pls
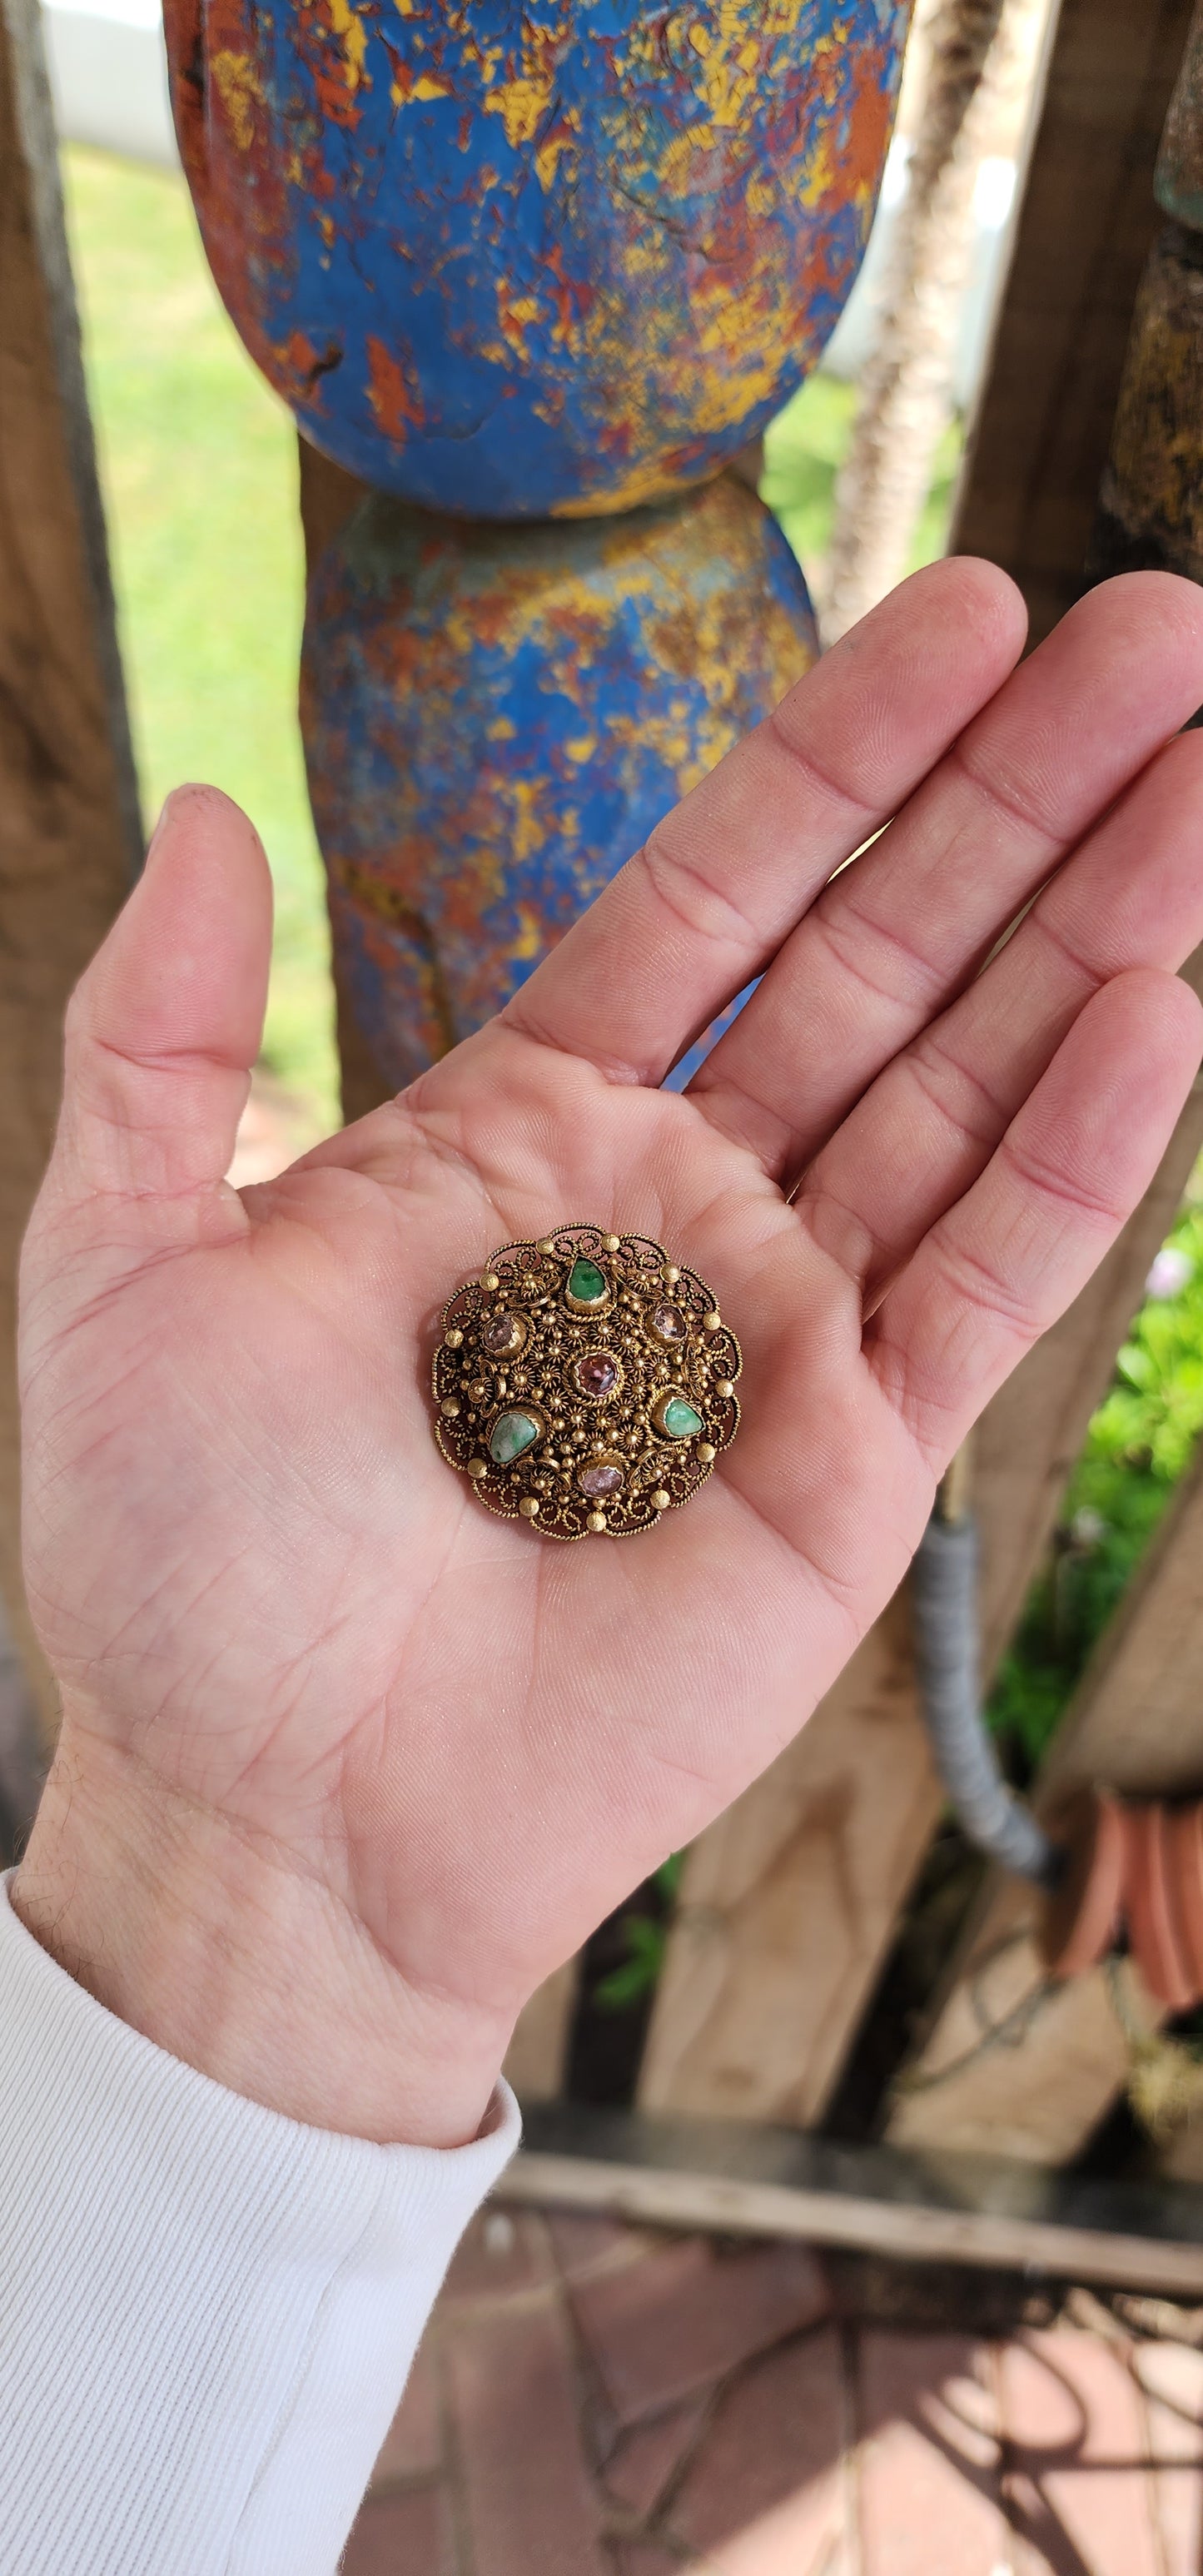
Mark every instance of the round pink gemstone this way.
pixel 668 1324
pixel 601 1478
pixel 501 1333
pixel 596 1374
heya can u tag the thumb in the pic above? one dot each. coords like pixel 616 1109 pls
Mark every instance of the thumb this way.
pixel 166 1023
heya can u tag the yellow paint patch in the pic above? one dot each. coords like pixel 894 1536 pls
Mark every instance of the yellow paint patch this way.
pixel 527 831
pixel 547 159
pixel 240 92
pixel 522 104
pixel 513 313
pixel 646 483
pixel 530 941
pixel 354 34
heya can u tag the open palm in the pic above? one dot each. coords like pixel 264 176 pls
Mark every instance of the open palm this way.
pixel 425 1749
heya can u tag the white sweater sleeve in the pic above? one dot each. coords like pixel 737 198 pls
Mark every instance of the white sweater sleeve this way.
pixel 208 2312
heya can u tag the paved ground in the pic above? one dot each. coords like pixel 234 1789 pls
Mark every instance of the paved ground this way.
pixel 595 2401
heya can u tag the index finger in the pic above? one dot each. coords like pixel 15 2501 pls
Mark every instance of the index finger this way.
pixel 722 880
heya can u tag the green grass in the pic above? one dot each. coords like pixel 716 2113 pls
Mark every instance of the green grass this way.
pixel 198 466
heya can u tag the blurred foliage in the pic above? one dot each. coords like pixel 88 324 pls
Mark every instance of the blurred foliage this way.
pixel 1139 1443
pixel 198 466
pixel 803 450
pixel 645 1935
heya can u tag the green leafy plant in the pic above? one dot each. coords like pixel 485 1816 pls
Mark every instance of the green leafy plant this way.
pixel 1139 1444
pixel 803 451
pixel 645 1935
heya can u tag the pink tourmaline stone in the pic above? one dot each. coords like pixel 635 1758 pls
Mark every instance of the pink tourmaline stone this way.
pixel 601 1478
pixel 668 1324
pixel 596 1373
pixel 500 1334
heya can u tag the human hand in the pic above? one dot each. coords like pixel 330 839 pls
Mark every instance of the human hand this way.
pixel 348 1766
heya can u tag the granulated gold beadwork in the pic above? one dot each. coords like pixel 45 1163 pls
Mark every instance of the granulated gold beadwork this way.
pixel 585 1383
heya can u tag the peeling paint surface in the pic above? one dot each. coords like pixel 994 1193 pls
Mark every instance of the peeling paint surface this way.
pixel 537 260
pixel 494 719
pixel 1152 491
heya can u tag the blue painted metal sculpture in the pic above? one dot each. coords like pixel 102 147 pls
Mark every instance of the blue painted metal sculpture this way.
pixel 494 719
pixel 550 262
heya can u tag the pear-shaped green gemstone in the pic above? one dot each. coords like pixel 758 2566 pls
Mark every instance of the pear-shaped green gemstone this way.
pixel 679 1419
pixel 587 1283
pixel 511 1434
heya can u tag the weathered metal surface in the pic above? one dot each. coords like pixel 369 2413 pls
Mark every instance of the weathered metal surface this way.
pixel 1151 501
pixel 1179 181
pixel 494 718
pixel 558 258
pixel 1151 498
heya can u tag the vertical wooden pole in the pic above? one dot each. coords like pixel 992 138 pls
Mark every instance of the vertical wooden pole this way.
pixel 1150 510
pixel 1031 474
pixel 69 827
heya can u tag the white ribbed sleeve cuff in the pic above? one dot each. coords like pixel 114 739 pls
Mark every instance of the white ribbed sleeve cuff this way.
pixel 207 2312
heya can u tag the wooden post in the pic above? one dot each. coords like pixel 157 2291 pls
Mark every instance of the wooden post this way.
pixel 69 829
pixel 1151 504
pixel 1087 225
pixel 788 1902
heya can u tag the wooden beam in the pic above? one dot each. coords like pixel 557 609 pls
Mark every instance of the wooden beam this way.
pixel 1085 229
pixel 70 836
pixel 328 495
pixel 788 1902
pixel 1061 2057
pixel 978 2210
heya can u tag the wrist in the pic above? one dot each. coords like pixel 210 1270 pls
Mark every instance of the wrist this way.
pixel 208 1942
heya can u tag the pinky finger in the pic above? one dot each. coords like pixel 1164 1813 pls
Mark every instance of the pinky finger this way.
pixel 1005 1262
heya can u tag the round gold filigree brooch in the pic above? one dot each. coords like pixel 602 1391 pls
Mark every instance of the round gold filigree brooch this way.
pixel 585 1383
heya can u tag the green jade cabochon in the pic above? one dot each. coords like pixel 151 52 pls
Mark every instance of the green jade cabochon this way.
pixel 680 1419
pixel 511 1434
pixel 587 1283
